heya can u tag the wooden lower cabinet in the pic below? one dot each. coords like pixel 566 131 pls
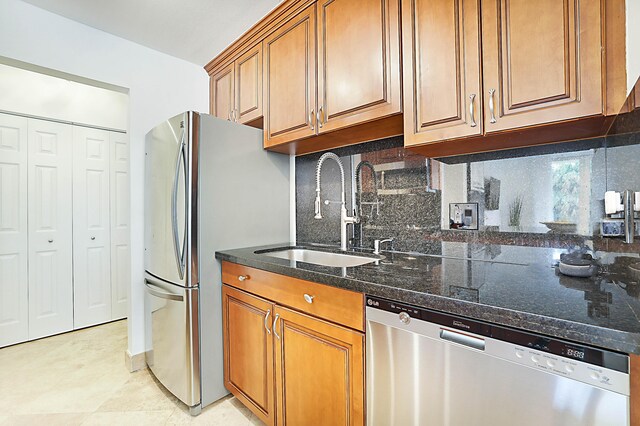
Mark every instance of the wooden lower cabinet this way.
pixel 319 371
pixel 290 368
pixel 248 351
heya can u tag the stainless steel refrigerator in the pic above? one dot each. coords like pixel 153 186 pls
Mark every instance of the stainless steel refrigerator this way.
pixel 209 185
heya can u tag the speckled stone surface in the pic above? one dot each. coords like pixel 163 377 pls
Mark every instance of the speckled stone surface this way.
pixel 512 286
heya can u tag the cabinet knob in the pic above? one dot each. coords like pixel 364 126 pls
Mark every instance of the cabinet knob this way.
pixel 308 299
pixel 50 241
pixel 243 277
pixel 93 238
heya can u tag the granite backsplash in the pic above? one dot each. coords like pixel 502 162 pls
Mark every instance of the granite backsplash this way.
pixel 549 196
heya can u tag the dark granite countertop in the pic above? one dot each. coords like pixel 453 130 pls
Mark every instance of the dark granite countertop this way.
pixel 513 286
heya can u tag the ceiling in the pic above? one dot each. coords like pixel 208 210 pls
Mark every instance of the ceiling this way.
pixel 193 30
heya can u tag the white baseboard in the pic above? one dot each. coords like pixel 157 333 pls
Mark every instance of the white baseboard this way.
pixel 134 362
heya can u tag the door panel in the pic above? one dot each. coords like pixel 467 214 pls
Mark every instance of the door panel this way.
pixel 222 93
pixel 319 371
pixel 542 69
pixel 14 311
pixel 358 61
pixel 50 228
pixel 248 351
pixel 91 227
pixel 248 82
pixel 441 70
pixel 120 245
pixel 290 79
pixel 172 317
pixel 163 163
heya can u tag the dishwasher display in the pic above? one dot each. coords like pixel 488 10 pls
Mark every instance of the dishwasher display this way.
pixel 429 368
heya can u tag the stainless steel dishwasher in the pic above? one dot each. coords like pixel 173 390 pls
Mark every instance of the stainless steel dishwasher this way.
pixel 429 368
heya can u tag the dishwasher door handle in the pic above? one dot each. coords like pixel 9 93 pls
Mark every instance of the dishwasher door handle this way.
pixel 462 339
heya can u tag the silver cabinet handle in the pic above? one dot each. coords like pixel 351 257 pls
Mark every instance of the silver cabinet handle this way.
pixel 235 115
pixel 492 106
pixel 275 320
pixel 243 277
pixel 319 118
pixel 472 109
pixel 266 321
pixel 50 241
pixel 308 299
pixel 229 119
pixel 93 238
pixel 311 119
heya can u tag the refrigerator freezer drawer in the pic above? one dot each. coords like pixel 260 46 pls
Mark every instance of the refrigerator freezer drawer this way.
pixel 173 326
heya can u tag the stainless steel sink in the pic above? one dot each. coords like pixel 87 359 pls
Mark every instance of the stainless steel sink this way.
pixel 338 260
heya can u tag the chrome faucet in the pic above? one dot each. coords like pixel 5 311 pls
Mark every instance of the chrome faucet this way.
pixel 357 229
pixel 344 218
pixel 376 244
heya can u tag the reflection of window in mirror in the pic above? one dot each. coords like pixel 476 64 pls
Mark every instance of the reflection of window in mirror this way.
pixel 566 182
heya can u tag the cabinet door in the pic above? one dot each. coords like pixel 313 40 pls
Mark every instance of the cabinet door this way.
pixel 442 84
pixel 248 82
pixel 319 371
pixel 222 93
pixel 50 228
pixel 120 245
pixel 248 351
pixel 542 61
pixel 290 80
pixel 14 309
pixel 358 61
pixel 91 227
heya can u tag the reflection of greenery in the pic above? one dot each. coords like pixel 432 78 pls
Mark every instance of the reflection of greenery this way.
pixel 515 211
pixel 566 183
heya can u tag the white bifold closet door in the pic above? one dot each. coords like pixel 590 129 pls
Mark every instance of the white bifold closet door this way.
pixel 49 222
pixel 120 245
pixel 14 299
pixel 91 227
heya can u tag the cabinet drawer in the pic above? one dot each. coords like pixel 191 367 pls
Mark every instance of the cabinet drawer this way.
pixel 334 304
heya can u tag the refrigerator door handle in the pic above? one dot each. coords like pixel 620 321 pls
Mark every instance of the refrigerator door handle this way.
pixel 174 208
pixel 152 289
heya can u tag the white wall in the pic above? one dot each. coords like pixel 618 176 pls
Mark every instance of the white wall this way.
pixel 633 43
pixel 159 86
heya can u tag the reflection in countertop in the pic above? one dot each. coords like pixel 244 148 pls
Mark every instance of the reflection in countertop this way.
pixel 508 285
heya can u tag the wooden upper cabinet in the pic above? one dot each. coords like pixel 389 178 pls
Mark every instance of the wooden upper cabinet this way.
pixel 248 85
pixel 442 78
pixel 542 61
pixel 358 62
pixel 319 372
pixel 248 351
pixel 223 93
pixel 290 80
pixel 236 89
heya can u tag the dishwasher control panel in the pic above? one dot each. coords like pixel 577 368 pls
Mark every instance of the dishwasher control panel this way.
pixel 593 375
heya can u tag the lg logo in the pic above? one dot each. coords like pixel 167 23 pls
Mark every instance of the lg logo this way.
pixel 372 302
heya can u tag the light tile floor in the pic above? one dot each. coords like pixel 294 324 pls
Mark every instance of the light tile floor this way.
pixel 80 378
